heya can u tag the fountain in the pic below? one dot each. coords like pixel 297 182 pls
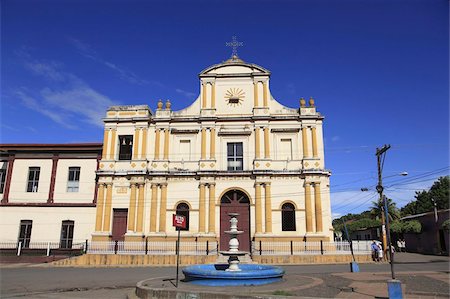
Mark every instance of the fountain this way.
pixel 232 274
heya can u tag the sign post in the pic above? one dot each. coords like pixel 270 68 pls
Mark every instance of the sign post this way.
pixel 179 222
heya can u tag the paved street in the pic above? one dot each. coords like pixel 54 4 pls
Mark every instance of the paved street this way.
pixel 422 274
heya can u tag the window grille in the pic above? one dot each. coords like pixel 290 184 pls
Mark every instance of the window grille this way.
pixel 288 217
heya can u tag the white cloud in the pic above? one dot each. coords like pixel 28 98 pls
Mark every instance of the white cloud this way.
pixel 33 104
pixel 88 52
pixel 186 93
pixel 48 70
pixel 80 100
pixel 68 100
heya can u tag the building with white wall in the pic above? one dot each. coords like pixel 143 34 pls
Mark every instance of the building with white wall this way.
pixel 48 192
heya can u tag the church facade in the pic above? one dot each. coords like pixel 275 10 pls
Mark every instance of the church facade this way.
pixel 234 149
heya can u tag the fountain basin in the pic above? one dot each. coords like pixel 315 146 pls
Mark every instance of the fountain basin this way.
pixel 215 275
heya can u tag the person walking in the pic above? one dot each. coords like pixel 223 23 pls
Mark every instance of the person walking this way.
pixel 374 249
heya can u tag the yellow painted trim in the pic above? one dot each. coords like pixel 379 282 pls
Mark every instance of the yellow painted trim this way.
pixel 108 209
pixel 181 201
pixel 257 143
pixel 212 209
pixel 132 208
pixel 213 144
pixel 203 149
pixel 127 113
pixel 308 207
pixel 305 142
pixel 291 202
pixel 112 151
pixel 136 144
pixel 201 218
pixel 203 95
pixel 266 143
pixel 99 214
pixel 157 141
pixel 144 144
pixel 105 144
pixel 213 96
pixel 265 94
pixel 318 205
pixel 258 208
pixel 268 207
pixel 255 92
pixel 140 209
pixel 166 144
pixel 234 188
pixel 314 142
pixel 153 207
pixel 162 208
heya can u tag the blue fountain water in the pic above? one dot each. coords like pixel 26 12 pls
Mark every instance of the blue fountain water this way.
pixel 215 275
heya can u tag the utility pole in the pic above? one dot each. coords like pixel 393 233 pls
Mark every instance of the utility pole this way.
pixel 380 153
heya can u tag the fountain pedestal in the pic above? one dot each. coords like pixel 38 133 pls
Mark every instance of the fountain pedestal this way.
pixel 232 274
pixel 233 252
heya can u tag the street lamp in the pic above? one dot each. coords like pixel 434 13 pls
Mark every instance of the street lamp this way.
pixel 394 286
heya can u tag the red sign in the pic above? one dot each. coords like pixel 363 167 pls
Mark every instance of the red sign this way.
pixel 179 221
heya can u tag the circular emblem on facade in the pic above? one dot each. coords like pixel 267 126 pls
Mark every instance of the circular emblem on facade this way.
pixel 234 96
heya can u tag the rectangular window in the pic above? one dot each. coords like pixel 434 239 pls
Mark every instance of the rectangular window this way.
pixel 185 150
pixel 33 179
pixel 285 149
pixel 73 182
pixel 67 234
pixel 125 147
pixel 2 179
pixel 25 232
pixel 235 156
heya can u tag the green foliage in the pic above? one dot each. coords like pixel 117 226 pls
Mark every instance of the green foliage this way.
pixel 423 203
pixel 397 227
pixel 412 227
pixel 354 225
pixel 446 224
pixel 377 207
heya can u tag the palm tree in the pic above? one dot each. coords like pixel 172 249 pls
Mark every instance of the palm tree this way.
pixel 378 207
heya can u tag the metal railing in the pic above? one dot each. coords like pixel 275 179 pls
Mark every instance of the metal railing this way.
pixel 310 248
pixel 192 248
pixel 152 247
pixel 48 247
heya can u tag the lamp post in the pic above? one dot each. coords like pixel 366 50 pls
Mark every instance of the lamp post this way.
pixel 394 286
pixel 381 153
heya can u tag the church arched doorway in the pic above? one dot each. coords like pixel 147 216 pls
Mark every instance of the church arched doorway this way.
pixel 235 201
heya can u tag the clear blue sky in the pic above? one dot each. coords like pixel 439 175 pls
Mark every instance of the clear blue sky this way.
pixel 379 71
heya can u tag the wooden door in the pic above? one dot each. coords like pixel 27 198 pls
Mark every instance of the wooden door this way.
pixel 235 201
pixel 119 227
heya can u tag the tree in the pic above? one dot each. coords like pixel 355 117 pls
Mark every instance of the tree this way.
pixel 439 191
pixel 378 206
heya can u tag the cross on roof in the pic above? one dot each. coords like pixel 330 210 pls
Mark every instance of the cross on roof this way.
pixel 234 44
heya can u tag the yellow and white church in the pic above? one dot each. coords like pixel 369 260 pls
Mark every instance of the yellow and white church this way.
pixel 234 149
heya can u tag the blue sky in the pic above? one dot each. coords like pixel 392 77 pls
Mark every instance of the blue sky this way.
pixel 379 71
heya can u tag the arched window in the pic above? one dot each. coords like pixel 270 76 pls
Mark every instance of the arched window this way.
pixel 183 210
pixel 288 217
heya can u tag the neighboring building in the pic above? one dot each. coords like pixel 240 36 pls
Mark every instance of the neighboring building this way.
pixel 48 192
pixel 370 233
pixel 433 239
pixel 235 149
